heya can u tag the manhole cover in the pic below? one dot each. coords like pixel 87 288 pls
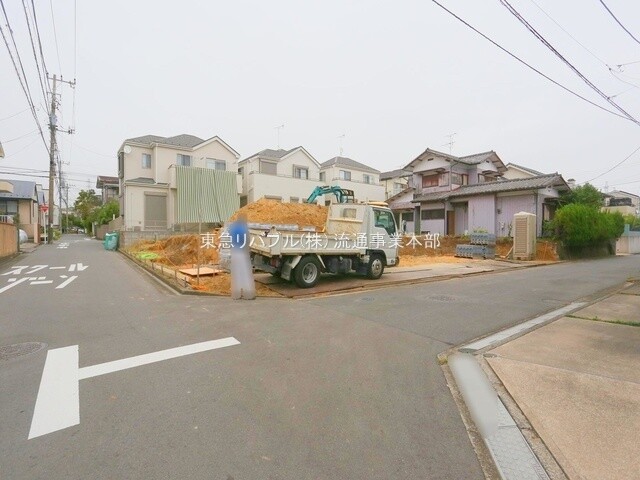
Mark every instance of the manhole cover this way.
pixel 20 349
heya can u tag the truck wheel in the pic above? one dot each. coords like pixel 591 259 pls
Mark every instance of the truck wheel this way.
pixel 307 272
pixel 375 266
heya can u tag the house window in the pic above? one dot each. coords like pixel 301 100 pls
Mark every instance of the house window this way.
pixel 184 160
pixel 300 172
pixel 430 180
pixel 345 175
pixel 146 160
pixel 485 178
pixel 241 171
pixel 460 179
pixel 216 164
pixel 323 176
pixel 8 207
pixel 269 168
pixel 367 178
pixel 397 188
pixel 432 214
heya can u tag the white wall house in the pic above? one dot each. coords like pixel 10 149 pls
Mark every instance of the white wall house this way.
pixel 156 194
pixel 395 181
pixel 347 173
pixel 284 175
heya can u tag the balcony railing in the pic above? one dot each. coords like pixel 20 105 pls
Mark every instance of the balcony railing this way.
pixel 6 219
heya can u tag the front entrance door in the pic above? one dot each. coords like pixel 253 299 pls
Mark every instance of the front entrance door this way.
pixel 451 222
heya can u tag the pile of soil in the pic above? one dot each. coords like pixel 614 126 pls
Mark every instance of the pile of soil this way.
pixel 447 247
pixel 274 212
pixel 178 250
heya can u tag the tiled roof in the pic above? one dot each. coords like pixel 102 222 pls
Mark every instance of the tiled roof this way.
pixel 21 189
pixel 104 180
pixel 183 140
pixel 348 163
pixel 526 169
pixel 394 174
pixel 533 183
pixel 270 153
pixel 476 158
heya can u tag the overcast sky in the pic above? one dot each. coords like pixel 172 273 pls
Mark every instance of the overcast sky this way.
pixel 393 77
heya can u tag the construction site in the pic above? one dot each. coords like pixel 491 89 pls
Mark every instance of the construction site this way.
pixel 193 261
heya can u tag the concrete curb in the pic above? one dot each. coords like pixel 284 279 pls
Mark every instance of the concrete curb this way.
pixel 549 467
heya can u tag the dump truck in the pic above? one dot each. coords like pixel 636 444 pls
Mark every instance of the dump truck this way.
pixel 357 237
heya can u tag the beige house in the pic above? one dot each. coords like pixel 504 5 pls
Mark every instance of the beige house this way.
pixel 19 205
pixel 395 181
pixel 284 175
pixel 516 172
pixel 167 181
pixel 350 174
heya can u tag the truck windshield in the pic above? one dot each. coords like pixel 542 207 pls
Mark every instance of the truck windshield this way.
pixel 384 219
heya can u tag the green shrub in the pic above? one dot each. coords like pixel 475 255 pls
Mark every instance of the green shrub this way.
pixel 579 225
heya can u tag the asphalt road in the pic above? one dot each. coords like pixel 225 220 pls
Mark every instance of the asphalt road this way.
pixel 335 387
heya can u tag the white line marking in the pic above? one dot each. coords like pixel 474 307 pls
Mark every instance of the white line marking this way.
pixel 58 401
pixel 117 365
pixel 510 332
pixel 67 281
pixel 41 282
pixel 4 289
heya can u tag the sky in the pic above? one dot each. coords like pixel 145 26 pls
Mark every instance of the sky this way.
pixel 382 81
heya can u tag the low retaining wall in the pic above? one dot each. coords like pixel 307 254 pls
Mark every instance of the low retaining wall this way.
pixel 8 240
pixel 128 238
pixel 629 242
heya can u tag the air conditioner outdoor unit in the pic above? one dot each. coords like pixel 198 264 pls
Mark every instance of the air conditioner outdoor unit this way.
pixel 524 236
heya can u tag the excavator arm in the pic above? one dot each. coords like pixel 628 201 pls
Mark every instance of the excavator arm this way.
pixel 342 195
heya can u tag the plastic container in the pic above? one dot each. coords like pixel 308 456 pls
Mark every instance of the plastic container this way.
pixel 110 241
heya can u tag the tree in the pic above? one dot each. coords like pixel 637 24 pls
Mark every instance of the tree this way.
pixel 85 205
pixel 106 212
pixel 585 194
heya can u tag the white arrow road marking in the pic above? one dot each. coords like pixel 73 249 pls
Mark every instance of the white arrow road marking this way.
pixel 58 402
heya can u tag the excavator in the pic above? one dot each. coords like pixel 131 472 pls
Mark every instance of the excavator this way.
pixel 343 195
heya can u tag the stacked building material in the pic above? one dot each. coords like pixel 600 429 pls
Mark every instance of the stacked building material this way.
pixel 483 245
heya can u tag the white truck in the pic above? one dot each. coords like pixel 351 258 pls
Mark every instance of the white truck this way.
pixel 360 237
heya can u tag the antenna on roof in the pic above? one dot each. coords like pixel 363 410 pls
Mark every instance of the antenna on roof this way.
pixel 340 139
pixel 450 142
pixel 278 128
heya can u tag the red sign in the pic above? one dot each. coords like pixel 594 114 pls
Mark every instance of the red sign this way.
pixel 44 208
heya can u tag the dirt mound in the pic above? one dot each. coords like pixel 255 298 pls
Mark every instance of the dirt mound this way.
pixel 178 250
pixel 272 211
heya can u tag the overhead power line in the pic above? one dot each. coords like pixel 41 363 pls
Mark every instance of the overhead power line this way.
pixel 544 41
pixel 515 57
pixel 55 34
pixel 618 21
pixel 22 79
pixel 33 49
pixel 615 166
pixel 37 29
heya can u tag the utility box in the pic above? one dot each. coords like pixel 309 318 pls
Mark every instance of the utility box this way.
pixel 524 236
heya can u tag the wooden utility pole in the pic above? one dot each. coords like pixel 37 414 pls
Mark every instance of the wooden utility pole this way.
pixel 52 162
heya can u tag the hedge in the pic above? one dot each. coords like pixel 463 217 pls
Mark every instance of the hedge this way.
pixel 578 226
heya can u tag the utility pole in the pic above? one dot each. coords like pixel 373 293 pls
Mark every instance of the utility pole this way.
pixel 53 128
pixel 52 164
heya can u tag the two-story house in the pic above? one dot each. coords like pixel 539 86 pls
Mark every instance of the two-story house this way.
pixel 171 181
pixel 395 181
pixel 19 204
pixel 109 186
pixel 348 173
pixel 283 175
pixel 453 195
